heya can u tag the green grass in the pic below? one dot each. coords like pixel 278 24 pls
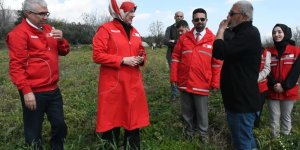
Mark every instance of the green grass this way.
pixel 78 82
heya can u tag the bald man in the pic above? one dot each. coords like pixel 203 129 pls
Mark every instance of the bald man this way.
pixel 171 37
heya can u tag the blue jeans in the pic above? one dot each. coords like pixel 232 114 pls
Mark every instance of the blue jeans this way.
pixel 49 103
pixel 241 128
pixel 174 89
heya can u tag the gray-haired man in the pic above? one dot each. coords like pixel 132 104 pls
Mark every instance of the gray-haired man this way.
pixel 33 50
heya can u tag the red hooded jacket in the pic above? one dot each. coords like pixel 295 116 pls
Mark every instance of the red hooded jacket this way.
pixel 33 65
pixel 193 67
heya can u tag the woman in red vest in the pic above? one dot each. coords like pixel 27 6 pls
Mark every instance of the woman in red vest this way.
pixel 117 46
pixel 283 80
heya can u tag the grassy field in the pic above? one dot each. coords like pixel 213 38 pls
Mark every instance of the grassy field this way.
pixel 78 82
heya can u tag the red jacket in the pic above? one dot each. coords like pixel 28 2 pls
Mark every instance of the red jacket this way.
pixel 121 96
pixel 280 69
pixel 263 84
pixel 33 65
pixel 193 67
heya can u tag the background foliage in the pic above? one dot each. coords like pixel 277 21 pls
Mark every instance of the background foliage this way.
pixel 78 83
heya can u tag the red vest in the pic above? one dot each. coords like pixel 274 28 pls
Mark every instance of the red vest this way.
pixel 262 85
pixel 280 69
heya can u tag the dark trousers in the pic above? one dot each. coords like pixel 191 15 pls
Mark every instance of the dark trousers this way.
pixel 50 103
pixel 194 111
pixel 131 137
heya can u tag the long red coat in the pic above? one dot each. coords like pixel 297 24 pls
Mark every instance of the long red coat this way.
pixel 121 96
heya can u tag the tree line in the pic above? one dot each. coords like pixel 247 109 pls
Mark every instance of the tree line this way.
pixel 82 33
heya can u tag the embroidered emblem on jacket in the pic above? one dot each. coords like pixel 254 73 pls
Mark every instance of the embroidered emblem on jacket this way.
pixel 115 31
pixel 34 37
pixel 291 55
pixel 136 34
pixel 207 46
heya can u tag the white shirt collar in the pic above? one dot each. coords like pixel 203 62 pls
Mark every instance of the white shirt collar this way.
pixel 202 33
pixel 27 20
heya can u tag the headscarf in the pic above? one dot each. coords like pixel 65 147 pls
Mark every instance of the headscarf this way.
pixel 119 8
pixel 280 46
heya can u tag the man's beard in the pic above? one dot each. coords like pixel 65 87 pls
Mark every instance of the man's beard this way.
pixel 200 28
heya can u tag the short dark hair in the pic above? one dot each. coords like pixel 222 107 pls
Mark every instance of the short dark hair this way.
pixel 199 10
pixel 182 23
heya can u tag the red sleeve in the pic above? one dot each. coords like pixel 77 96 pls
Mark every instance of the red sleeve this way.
pixel 101 48
pixel 18 54
pixel 176 58
pixel 142 52
pixel 216 71
pixel 63 47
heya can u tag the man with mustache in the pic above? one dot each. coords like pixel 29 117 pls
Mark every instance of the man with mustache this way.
pixel 195 72
pixel 240 48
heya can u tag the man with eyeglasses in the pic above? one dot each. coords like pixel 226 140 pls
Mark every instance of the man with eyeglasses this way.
pixel 195 73
pixel 34 48
pixel 171 37
pixel 241 53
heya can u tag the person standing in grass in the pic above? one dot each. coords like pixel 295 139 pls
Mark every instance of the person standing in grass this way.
pixel 34 47
pixel 195 72
pixel 265 69
pixel 239 87
pixel 283 80
pixel 171 38
pixel 117 46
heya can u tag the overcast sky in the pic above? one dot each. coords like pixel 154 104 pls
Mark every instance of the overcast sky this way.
pixel 266 12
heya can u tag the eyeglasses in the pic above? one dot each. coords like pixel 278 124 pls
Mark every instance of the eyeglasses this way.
pixel 231 13
pixel 42 14
pixel 197 19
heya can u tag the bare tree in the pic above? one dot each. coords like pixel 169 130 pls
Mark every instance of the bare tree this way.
pixel 94 19
pixel 268 42
pixel 296 35
pixel 5 18
pixel 156 32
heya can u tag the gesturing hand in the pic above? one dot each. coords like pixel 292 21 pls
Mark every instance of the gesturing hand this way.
pixel 57 34
pixel 223 24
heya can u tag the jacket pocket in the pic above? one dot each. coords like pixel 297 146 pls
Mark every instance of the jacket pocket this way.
pixel 293 92
pixel 39 72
